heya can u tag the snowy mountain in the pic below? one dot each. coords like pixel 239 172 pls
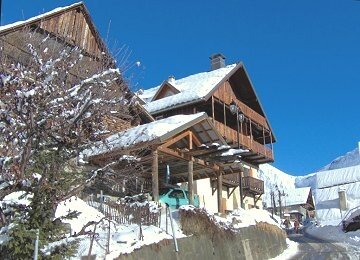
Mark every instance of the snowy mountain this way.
pixel 349 159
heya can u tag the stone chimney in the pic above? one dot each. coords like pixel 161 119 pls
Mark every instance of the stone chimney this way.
pixel 217 61
pixel 171 80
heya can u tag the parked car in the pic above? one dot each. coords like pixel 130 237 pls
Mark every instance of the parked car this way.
pixel 176 197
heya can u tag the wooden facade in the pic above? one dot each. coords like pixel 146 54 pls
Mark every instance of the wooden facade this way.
pixel 255 134
pixel 72 24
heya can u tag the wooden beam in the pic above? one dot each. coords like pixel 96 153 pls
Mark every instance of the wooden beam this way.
pixel 213 110
pixel 225 128
pixel 155 176
pixel 186 157
pixel 190 182
pixel 219 191
pixel 176 139
pixel 195 140
pixel 190 140
pixel 241 191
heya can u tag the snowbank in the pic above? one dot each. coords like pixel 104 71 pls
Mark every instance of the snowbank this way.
pixel 87 213
pixel 335 233
pixel 292 249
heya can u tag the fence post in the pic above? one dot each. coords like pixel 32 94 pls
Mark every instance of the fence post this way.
pixel 91 242
pixel 101 200
pixel 36 245
pixel 108 239
pixel 173 231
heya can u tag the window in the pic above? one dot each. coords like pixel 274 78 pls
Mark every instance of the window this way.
pixel 178 194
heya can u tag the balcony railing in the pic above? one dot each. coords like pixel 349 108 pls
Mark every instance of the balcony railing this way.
pixel 250 184
pixel 245 141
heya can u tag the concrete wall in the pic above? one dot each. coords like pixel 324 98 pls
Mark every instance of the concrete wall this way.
pixel 262 241
pixel 209 200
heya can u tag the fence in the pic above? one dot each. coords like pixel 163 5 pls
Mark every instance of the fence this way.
pixel 144 213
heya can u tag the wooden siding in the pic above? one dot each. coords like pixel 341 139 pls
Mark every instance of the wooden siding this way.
pixel 225 93
pixel 74 28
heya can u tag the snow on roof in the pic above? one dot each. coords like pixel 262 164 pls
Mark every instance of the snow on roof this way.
pixel 338 176
pixel 327 202
pixel 297 196
pixel 38 17
pixel 192 88
pixel 143 133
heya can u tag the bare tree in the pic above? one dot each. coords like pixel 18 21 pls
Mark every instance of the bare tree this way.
pixel 56 101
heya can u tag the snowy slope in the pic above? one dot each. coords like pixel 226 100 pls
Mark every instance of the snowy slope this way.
pixel 273 177
pixel 349 159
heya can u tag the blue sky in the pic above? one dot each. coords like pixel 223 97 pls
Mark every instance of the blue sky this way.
pixel 303 58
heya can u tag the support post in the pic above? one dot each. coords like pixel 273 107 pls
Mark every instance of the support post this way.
pixel 190 182
pixel 219 191
pixel 238 127
pixel 241 190
pixel 225 128
pixel 155 176
pixel 213 109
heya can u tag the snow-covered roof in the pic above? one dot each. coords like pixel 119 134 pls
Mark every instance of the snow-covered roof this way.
pixel 154 132
pixel 338 176
pixel 192 88
pixel 297 196
pixel 37 18
pixel 327 202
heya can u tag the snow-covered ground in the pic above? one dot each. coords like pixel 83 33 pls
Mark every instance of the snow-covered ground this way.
pixel 351 240
pixel 292 249
pixel 125 239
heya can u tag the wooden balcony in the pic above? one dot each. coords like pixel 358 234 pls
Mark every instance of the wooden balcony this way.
pixel 250 185
pixel 258 153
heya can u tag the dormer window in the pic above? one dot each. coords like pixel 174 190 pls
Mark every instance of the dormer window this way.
pixel 166 89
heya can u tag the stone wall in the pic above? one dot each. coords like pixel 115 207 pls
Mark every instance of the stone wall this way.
pixel 210 241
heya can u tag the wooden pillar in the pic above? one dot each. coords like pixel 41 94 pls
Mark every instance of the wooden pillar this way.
pixel 190 182
pixel 272 145
pixel 225 128
pixel 213 109
pixel 219 191
pixel 155 175
pixel 241 190
pixel 251 134
pixel 263 135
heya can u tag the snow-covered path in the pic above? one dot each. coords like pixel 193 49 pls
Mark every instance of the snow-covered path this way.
pixel 313 248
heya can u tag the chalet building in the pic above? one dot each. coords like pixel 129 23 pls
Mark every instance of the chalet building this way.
pixel 227 96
